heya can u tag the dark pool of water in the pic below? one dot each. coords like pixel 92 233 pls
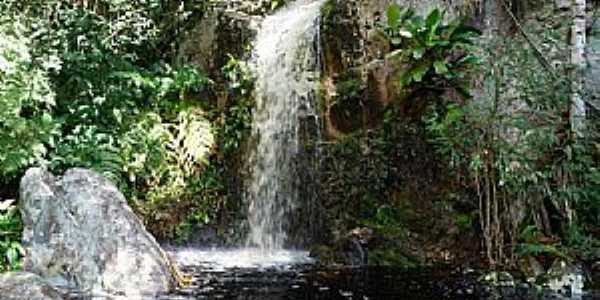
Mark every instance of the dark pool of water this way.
pixel 291 275
pixel 331 283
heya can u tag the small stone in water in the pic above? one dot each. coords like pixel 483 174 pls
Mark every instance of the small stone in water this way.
pixel 323 288
pixel 295 286
pixel 345 293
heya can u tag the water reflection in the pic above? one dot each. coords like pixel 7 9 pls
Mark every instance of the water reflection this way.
pixel 253 275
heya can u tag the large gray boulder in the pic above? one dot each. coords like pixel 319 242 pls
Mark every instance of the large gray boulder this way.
pixel 79 232
pixel 19 286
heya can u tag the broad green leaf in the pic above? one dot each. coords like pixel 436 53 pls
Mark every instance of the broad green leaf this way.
pixel 432 23
pixel 394 16
pixel 439 43
pixel 418 23
pixel 465 33
pixel 440 67
pixel 419 72
pixel 419 52
pixel 469 60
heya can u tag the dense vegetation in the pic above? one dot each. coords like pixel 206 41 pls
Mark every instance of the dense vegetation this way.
pixel 97 84
pixel 509 162
pixel 94 84
pixel 534 176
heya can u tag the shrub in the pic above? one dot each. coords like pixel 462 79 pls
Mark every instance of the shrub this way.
pixel 10 236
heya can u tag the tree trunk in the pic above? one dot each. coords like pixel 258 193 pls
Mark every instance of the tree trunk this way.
pixel 578 42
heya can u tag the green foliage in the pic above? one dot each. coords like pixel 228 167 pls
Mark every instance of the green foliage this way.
pixel 446 132
pixel 165 163
pixel 91 63
pixel 239 76
pixel 85 85
pixel 10 236
pixel 347 102
pixel 191 141
pixel 137 128
pixel 387 223
pixel 164 157
pixel 514 147
pixel 530 245
pixel 26 100
pixel 439 55
pixel 209 189
pixel 464 222
pixel 357 189
pixel 349 89
pixel 87 147
pixel 393 257
pixel 238 115
pixel 143 148
pixel 275 4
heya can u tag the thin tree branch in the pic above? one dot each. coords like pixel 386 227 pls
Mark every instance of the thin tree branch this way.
pixel 538 54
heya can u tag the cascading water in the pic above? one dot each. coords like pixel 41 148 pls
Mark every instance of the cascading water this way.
pixel 286 63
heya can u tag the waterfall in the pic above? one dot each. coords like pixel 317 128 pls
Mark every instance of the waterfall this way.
pixel 286 64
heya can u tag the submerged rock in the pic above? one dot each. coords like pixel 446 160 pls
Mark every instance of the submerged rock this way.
pixel 565 278
pixel 21 285
pixel 499 279
pixel 352 249
pixel 595 276
pixel 79 232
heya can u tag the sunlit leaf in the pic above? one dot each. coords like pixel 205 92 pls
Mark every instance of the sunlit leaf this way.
pixel 440 67
pixel 393 16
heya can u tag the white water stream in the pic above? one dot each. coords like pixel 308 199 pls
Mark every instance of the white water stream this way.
pixel 286 65
pixel 285 60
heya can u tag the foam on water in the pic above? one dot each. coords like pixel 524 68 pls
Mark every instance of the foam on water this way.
pixel 223 259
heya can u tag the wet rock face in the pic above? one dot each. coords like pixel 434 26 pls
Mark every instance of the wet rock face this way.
pixel 18 286
pixel 79 232
pixel 353 47
pixel 566 278
pixel 223 32
pixel 595 276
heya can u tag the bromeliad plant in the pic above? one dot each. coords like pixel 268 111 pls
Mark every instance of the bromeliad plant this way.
pixel 439 55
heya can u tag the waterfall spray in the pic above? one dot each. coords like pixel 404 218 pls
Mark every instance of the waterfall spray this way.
pixel 286 64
